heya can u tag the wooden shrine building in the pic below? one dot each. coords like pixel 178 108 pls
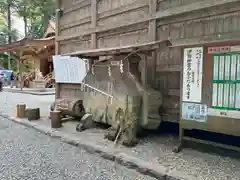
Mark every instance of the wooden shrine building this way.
pixel 200 31
pixel 35 54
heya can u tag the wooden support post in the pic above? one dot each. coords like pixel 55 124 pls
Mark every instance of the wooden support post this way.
pixel 21 110
pixel 33 114
pixel 180 146
pixel 55 119
pixel 20 76
pixel 145 96
pixel 57 45
pixel 152 27
pixel 152 36
pixel 94 23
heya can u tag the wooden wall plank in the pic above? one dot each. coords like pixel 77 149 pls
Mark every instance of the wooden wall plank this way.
pixel 171 12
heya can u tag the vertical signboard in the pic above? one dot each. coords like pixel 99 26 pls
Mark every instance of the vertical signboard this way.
pixel 192 74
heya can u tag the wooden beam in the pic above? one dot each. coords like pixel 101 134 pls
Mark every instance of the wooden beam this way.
pixel 206 40
pixel 26 44
pixel 123 9
pixel 215 11
pixel 199 5
pixel 57 30
pixel 167 68
pixel 78 5
pixel 81 21
pixel 173 92
pixel 94 23
pixel 57 44
pixel 211 143
pixel 152 23
pixel 152 36
pixel 98 30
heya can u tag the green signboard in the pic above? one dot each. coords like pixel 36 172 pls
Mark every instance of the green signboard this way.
pixel 226 81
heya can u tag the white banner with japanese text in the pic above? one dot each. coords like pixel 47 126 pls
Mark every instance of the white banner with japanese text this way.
pixel 192 74
pixel 69 69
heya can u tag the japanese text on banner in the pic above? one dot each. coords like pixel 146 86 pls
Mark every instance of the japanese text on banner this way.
pixel 192 74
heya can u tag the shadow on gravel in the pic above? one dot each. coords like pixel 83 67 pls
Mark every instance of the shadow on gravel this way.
pixel 172 129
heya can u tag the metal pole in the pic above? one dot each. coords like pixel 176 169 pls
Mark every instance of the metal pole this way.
pixel 20 75
pixel 20 62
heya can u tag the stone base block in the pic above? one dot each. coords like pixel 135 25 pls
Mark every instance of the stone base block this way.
pixel 33 114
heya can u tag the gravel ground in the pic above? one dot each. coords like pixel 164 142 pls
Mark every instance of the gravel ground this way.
pixel 204 166
pixel 8 102
pixel 28 155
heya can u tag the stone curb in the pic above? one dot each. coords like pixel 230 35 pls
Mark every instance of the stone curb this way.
pixel 32 93
pixel 154 170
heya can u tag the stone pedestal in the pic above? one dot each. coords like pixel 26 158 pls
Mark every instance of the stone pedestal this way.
pixel 33 114
pixel 38 84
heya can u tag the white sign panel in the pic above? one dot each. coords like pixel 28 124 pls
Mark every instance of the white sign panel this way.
pixel 194 112
pixel 192 74
pixel 69 69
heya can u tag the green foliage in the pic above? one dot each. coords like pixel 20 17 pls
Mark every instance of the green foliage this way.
pixel 4 34
pixel 37 13
pixel 3 62
pixel 36 30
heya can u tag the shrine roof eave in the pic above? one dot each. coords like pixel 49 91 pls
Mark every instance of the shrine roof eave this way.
pixel 95 53
pixel 45 48
pixel 25 42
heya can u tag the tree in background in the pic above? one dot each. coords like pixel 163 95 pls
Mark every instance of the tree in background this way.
pixel 6 35
pixel 35 13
